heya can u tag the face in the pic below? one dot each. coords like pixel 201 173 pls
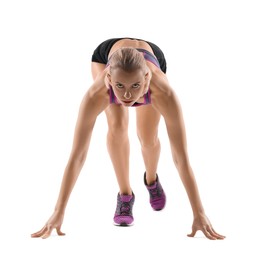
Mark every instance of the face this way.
pixel 128 87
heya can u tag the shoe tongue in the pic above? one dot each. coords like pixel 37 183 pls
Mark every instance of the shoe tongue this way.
pixel 152 186
pixel 126 198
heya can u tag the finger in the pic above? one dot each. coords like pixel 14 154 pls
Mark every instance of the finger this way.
pixel 212 233
pixel 217 235
pixel 193 233
pixel 39 233
pixel 59 232
pixel 208 234
pixel 47 232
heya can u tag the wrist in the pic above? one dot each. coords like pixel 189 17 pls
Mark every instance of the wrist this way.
pixel 59 210
pixel 198 213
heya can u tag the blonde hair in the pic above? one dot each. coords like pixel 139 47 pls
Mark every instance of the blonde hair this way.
pixel 127 59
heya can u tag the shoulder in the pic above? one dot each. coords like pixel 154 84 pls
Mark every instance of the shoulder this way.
pixel 159 85
pixel 99 87
pixel 97 95
pixel 162 94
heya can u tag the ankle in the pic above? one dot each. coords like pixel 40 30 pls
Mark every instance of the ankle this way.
pixel 150 179
pixel 126 192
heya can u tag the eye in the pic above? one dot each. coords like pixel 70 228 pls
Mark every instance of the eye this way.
pixel 137 85
pixel 118 85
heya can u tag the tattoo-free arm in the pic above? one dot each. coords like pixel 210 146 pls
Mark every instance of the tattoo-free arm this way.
pixel 90 108
pixel 93 103
pixel 170 109
pixel 166 102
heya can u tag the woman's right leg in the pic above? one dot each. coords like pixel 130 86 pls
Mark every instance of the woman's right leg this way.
pixel 117 138
pixel 118 145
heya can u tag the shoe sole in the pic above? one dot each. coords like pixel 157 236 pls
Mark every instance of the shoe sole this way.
pixel 123 224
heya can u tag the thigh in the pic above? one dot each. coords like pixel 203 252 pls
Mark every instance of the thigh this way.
pixel 117 118
pixel 117 115
pixel 147 123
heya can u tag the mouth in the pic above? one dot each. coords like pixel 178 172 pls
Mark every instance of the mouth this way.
pixel 127 102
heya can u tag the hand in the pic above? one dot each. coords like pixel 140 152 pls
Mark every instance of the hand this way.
pixel 55 222
pixel 202 223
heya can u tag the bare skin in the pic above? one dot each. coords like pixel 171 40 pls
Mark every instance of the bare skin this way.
pixel 130 87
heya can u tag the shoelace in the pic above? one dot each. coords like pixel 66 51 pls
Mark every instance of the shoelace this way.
pixel 125 208
pixel 155 193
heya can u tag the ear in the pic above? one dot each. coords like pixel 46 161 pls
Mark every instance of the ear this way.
pixel 148 75
pixel 109 77
pixel 147 80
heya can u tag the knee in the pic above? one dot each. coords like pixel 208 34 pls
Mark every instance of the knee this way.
pixel 148 140
pixel 118 130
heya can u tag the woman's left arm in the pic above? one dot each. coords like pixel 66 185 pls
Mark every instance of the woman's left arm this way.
pixel 166 102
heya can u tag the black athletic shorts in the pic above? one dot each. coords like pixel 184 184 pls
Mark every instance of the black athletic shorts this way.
pixel 101 53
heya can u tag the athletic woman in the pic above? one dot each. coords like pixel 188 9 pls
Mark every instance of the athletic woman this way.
pixel 129 73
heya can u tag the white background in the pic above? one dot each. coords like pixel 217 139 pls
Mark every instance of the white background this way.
pixel 214 64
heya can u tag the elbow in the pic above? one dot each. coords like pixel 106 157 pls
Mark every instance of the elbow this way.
pixel 77 160
pixel 181 162
pixel 81 158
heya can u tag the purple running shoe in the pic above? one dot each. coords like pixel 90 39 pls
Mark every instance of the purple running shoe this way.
pixel 157 194
pixel 123 214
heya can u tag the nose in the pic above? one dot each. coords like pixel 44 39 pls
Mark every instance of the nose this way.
pixel 127 95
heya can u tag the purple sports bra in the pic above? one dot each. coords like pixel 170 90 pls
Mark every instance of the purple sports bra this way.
pixel 147 97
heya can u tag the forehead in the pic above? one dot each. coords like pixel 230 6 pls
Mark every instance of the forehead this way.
pixel 119 75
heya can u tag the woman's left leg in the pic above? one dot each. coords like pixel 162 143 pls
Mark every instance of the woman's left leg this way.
pixel 147 129
pixel 147 126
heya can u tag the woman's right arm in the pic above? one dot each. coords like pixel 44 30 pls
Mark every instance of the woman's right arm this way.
pixel 94 102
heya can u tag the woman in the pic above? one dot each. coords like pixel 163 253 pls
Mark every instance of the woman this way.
pixel 127 73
